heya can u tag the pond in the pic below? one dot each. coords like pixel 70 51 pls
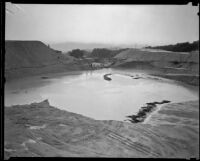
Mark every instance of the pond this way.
pixel 89 94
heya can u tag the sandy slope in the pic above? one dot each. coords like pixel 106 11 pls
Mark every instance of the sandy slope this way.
pixel 27 58
pixel 39 129
pixel 179 66
pixel 168 61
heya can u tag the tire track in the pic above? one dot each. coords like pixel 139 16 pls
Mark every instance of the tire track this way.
pixel 165 148
pixel 132 145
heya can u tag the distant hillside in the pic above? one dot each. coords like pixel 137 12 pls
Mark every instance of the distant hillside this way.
pixel 68 46
pixel 97 53
pixel 77 53
pixel 103 53
pixel 179 47
pixel 28 54
pixel 25 58
pixel 171 61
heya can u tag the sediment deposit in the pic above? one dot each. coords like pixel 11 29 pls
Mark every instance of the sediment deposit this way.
pixel 41 130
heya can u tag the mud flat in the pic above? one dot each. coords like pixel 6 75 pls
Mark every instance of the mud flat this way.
pixel 41 130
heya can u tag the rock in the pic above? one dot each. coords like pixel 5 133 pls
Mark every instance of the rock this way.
pixel 106 77
pixel 44 103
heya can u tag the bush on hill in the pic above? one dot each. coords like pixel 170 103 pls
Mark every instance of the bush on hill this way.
pixel 105 53
pixel 77 53
pixel 179 47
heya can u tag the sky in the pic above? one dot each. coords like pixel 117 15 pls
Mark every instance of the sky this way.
pixel 110 24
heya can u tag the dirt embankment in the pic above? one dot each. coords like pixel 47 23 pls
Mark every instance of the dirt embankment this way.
pixel 27 58
pixel 40 130
pixel 179 61
pixel 173 65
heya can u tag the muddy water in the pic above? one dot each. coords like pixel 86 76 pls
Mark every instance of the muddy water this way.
pixel 89 94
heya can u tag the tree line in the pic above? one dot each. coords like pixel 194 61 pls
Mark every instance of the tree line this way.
pixel 96 53
pixel 179 47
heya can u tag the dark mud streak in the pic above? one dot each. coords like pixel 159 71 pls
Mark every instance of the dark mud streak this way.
pixel 45 77
pixel 142 114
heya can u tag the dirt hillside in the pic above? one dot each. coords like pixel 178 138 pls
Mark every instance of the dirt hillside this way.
pixel 177 61
pixel 25 58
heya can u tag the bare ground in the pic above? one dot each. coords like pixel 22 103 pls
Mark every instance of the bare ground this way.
pixel 40 130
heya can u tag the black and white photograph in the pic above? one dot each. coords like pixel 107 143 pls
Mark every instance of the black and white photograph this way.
pixel 101 81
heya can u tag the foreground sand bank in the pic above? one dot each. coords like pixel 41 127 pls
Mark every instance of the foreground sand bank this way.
pixel 39 130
